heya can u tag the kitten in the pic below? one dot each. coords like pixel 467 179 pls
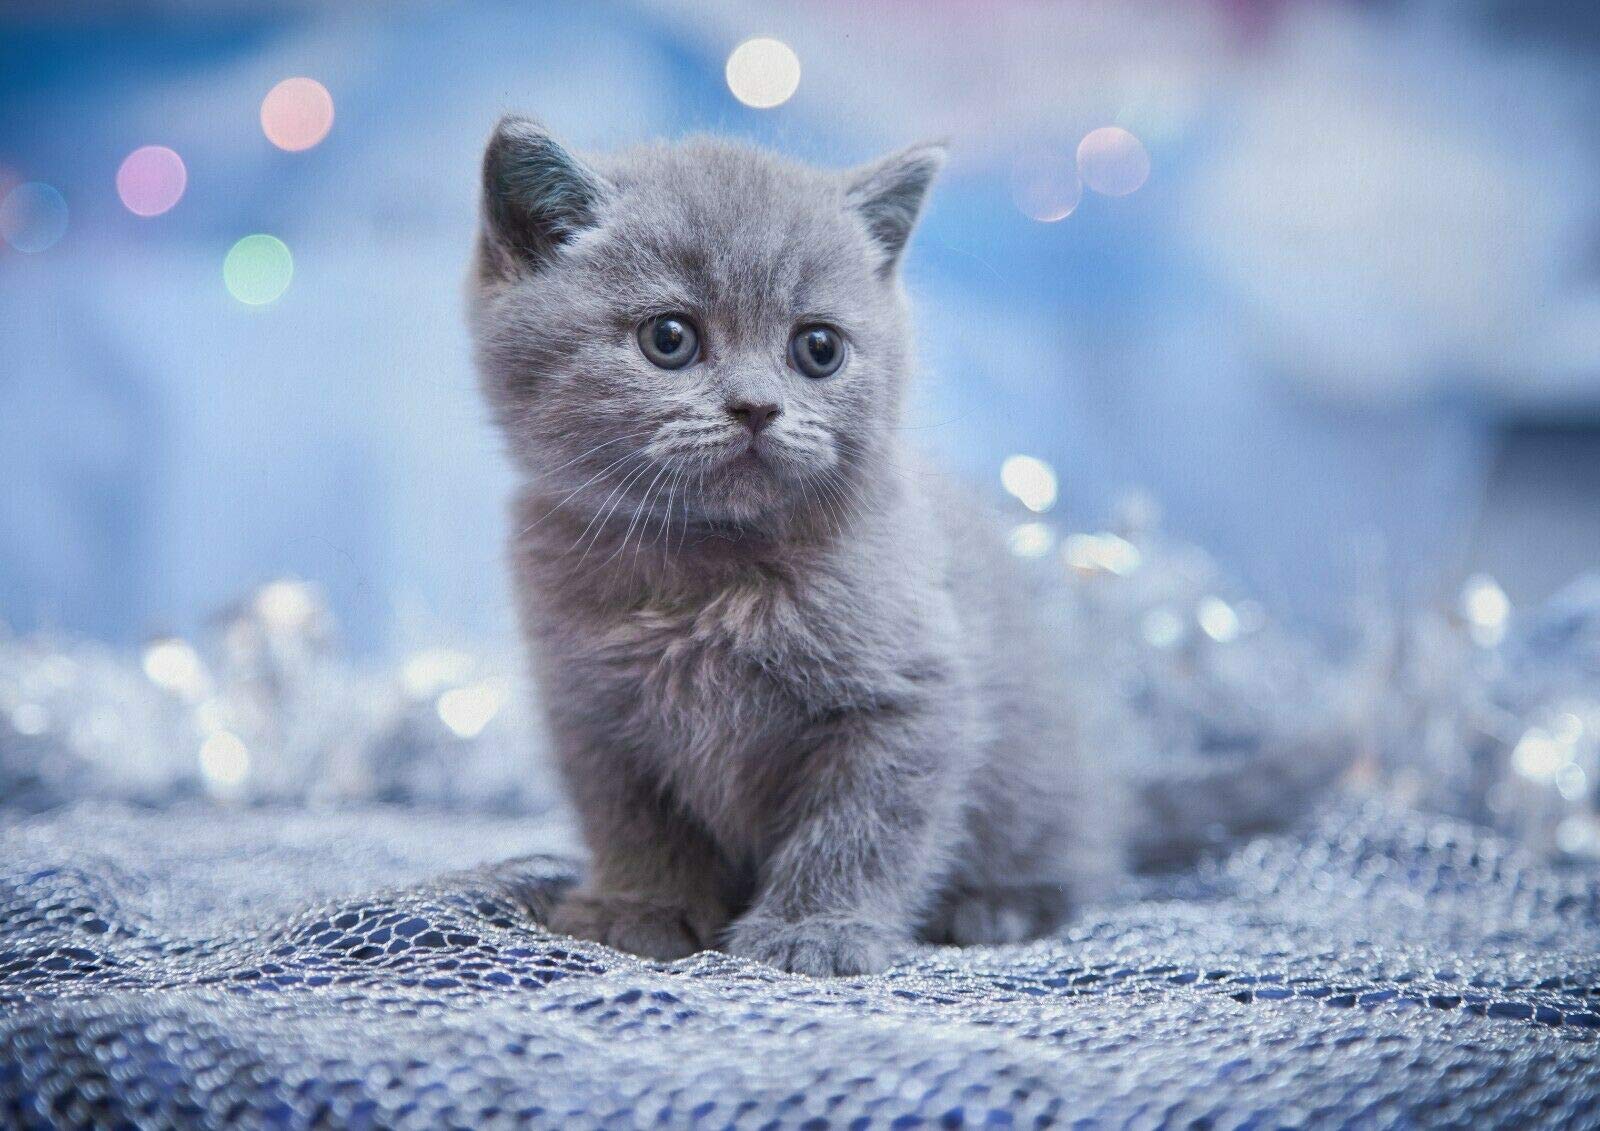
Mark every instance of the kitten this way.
pixel 807 707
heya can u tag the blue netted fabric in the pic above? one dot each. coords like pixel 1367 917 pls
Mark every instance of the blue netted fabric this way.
pixel 200 967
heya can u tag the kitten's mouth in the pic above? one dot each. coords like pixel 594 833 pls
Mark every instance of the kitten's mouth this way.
pixel 750 467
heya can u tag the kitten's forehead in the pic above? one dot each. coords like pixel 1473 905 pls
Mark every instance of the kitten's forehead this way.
pixel 736 229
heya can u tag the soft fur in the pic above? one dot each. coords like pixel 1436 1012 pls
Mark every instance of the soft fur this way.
pixel 802 699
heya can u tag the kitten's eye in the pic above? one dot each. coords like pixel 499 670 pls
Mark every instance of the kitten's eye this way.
pixel 669 340
pixel 817 351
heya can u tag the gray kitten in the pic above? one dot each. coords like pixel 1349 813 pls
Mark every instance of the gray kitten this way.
pixel 806 705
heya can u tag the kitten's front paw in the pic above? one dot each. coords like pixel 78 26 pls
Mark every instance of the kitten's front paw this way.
pixel 820 947
pixel 651 930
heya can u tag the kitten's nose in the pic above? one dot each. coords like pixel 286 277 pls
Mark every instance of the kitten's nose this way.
pixel 752 415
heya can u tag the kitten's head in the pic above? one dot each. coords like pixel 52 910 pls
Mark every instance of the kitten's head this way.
pixel 703 330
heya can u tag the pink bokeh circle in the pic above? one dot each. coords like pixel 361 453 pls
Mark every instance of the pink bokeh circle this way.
pixel 151 180
pixel 1112 161
pixel 296 114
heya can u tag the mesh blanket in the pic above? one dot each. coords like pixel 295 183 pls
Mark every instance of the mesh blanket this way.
pixel 200 967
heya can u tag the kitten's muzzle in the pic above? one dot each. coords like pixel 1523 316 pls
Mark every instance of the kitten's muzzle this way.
pixel 754 415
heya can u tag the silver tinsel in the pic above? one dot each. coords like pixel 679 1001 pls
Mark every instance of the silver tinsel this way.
pixel 263 709
pixel 1472 707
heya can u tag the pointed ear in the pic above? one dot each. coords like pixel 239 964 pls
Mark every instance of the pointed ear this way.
pixel 536 197
pixel 889 193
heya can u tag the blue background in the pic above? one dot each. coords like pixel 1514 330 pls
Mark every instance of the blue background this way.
pixel 1347 334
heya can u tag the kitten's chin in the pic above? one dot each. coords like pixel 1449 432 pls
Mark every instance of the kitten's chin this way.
pixel 746 492
pixel 746 486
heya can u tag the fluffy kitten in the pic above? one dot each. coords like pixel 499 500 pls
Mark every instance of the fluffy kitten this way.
pixel 802 699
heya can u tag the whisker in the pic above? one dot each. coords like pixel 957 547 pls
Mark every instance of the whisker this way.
pixel 852 496
pixel 824 511
pixel 688 430
pixel 700 484
pixel 669 486
pixel 597 447
pixel 936 424
pixel 804 494
pixel 858 497
pixel 637 511
pixel 672 479
pixel 605 471
pixel 664 532
pixel 840 507
pixel 605 511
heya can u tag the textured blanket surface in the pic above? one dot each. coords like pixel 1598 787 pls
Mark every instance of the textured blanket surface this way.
pixel 201 967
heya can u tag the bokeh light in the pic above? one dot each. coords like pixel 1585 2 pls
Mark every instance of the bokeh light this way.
pixel 1579 835
pixel 29 719
pixel 1540 756
pixel 1030 540
pixel 1045 187
pixel 763 72
pixel 1568 727
pixel 33 216
pixel 1031 480
pixel 1101 553
pixel 151 180
pixel 296 114
pixel 1486 608
pixel 1162 628
pixel 467 710
pixel 174 665
pixel 224 762
pixel 286 605
pixel 1217 619
pixel 1112 161
pixel 258 269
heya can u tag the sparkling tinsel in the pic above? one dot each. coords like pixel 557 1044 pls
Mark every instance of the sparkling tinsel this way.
pixel 263 709
pixel 1471 707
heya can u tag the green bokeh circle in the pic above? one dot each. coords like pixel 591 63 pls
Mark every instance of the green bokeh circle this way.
pixel 258 269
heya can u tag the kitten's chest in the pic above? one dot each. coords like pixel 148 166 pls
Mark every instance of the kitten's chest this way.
pixel 710 671
pixel 723 695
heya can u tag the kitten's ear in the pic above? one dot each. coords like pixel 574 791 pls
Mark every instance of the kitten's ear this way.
pixel 536 197
pixel 889 194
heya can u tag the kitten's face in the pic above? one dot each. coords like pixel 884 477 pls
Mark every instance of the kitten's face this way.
pixel 701 334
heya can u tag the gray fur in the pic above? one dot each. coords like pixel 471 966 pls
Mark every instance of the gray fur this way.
pixel 805 706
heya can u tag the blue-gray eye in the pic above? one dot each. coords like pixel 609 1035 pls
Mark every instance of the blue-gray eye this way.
pixel 817 351
pixel 669 340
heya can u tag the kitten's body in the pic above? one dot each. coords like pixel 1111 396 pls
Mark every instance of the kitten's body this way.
pixel 715 672
pixel 805 704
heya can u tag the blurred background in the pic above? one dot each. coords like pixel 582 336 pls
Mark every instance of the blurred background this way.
pixel 1320 277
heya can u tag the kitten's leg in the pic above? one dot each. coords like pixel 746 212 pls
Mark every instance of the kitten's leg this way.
pixel 656 886
pixel 841 891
